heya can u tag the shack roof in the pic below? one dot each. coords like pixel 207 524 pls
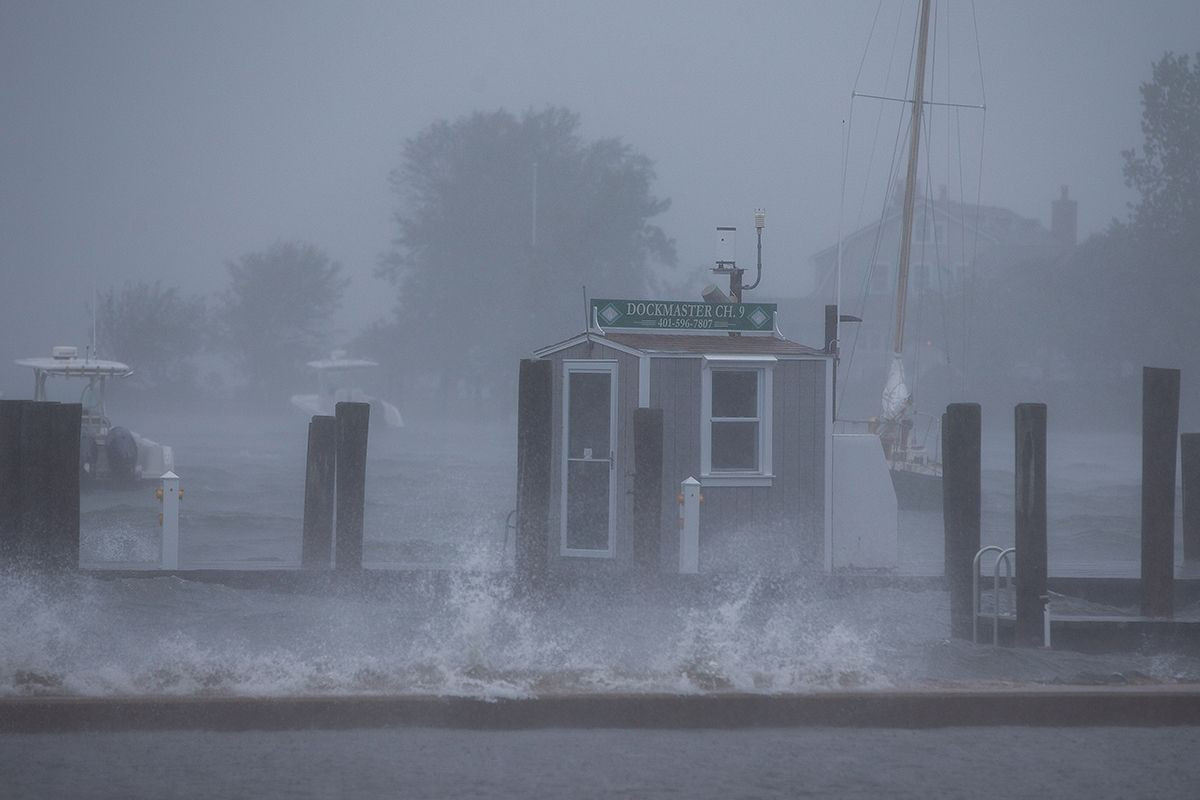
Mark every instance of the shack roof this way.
pixel 689 344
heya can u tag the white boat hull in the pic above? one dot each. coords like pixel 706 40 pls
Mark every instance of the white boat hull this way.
pixel 315 404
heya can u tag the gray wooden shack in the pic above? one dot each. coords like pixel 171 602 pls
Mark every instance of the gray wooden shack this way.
pixel 632 414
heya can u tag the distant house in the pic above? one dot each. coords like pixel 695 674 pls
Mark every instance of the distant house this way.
pixel 952 244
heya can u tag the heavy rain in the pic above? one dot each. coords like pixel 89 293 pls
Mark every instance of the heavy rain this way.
pixel 532 399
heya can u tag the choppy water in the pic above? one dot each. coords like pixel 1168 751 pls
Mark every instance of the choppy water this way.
pixel 439 495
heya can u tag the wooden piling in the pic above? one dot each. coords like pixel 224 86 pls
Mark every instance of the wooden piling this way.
pixel 1030 501
pixel 59 549
pixel 1160 429
pixel 647 487
pixel 534 417
pixel 831 329
pixel 352 421
pixel 36 481
pixel 10 479
pixel 1189 463
pixel 316 548
pixel 961 433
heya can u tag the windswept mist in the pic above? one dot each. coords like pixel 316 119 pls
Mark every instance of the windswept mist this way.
pixel 147 147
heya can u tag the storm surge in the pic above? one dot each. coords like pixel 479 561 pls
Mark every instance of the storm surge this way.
pixel 467 634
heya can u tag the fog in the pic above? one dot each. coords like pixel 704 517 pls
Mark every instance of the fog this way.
pixel 235 198
pixel 151 141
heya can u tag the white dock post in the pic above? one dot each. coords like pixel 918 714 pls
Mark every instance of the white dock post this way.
pixel 1046 621
pixel 169 495
pixel 689 527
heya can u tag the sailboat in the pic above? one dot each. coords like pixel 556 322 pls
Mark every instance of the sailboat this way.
pixel 910 440
pixel 916 474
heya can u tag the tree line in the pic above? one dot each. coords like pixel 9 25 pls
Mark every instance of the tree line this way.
pixel 1079 327
pixel 504 221
pixel 501 222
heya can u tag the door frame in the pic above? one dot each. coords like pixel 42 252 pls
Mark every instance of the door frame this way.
pixel 597 366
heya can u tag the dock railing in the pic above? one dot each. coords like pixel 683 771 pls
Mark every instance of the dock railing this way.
pixel 1002 556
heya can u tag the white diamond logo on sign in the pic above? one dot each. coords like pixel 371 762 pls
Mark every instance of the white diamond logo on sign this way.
pixel 758 317
pixel 610 314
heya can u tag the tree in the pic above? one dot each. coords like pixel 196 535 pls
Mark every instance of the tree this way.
pixel 1075 328
pixel 1127 297
pixel 276 313
pixel 154 329
pixel 1166 173
pixel 503 220
pixel 1158 274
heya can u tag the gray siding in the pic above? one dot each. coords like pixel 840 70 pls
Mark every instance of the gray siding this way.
pixel 775 528
pixel 780 527
pixel 675 388
pixel 627 401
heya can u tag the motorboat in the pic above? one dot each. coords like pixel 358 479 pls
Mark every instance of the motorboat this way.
pixel 106 452
pixel 334 376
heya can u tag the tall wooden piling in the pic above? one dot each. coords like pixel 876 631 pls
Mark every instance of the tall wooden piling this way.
pixel 316 548
pixel 534 416
pixel 1160 429
pixel 1189 463
pixel 961 432
pixel 647 487
pixel 10 478
pixel 351 478
pixel 59 549
pixel 1030 502
pixel 36 482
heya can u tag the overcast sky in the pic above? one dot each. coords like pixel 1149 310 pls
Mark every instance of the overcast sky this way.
pixel 159 139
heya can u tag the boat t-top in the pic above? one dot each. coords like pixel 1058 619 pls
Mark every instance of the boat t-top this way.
pixel 105 452
pixel 332 375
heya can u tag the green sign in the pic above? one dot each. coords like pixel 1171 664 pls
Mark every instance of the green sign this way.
pixel 668 315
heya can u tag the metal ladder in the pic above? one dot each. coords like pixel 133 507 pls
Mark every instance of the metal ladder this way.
pixel 1003 556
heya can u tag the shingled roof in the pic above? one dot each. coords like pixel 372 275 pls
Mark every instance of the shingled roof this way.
pixel 715 344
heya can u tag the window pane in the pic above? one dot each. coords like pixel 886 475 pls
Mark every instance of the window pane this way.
pixel 587 505
pixel 589 414
pixel 735 445
pixel 734 393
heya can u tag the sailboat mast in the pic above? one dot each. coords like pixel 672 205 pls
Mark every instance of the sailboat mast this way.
pixel 910 182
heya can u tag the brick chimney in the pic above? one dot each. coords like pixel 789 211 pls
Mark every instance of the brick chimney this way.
pixel 1064 214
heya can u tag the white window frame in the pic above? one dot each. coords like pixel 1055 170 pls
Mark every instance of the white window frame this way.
pixel 764 475
pixel 608 367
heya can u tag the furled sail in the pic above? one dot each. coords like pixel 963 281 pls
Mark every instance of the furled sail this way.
pixel 896 397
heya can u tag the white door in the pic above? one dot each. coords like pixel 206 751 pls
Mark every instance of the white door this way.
pixel 589 439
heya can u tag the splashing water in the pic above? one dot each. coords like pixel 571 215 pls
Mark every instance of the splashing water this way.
pixel 79 635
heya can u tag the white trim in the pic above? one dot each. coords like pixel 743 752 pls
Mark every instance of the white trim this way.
pixel 739 480
pixel 733 356
pixel 764 366
pixel 736 358
pixel 828 418
pixel 610 367
pixel 643 381
pixel 714 333
pixel 650 353
pixel 585 337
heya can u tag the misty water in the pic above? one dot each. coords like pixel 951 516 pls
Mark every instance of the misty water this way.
pixel 437 498
pixel 423 763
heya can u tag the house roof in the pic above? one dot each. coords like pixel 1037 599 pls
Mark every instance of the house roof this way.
pixel 991 225
pixel 688 344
